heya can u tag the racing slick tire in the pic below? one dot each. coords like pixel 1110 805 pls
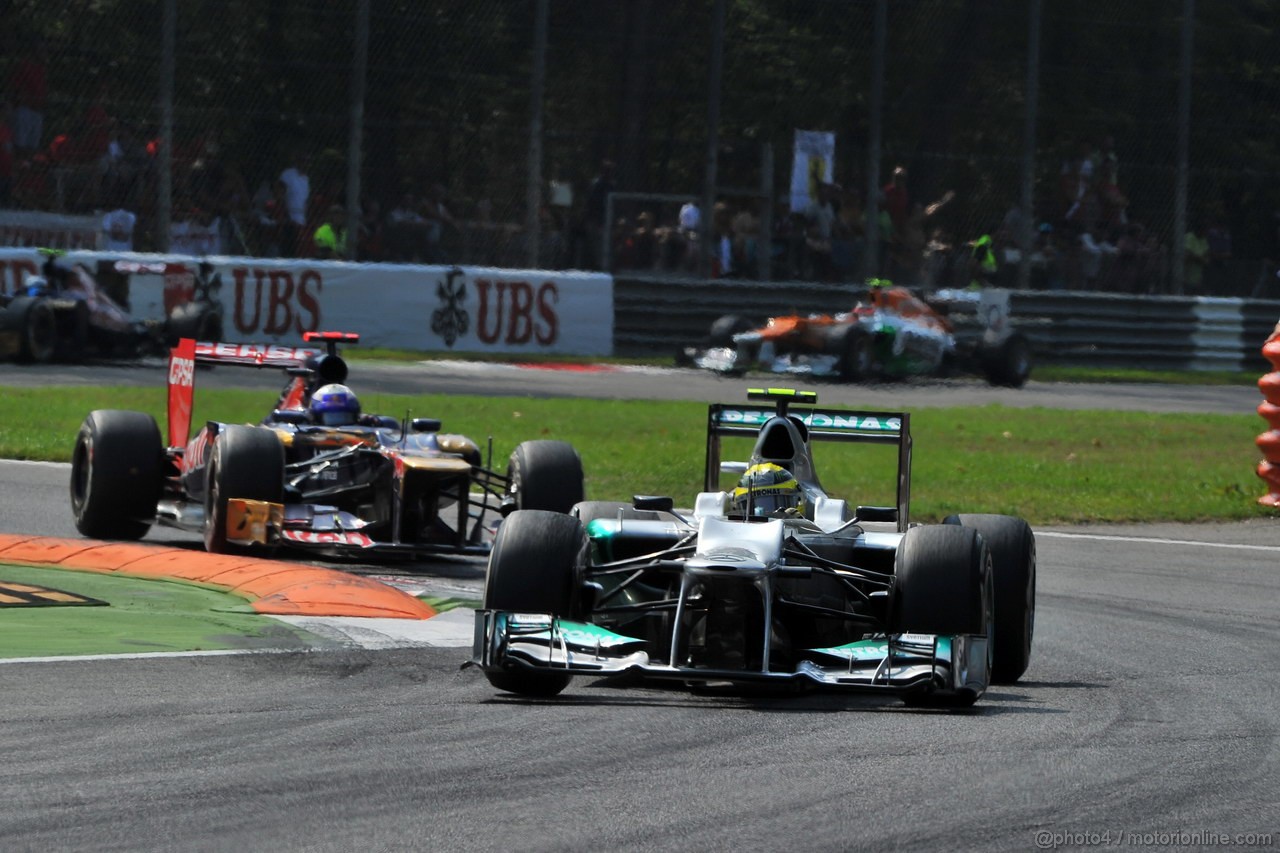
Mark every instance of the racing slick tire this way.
pixel 944 586
pixel 724 328
pixel 1013 563
pixel 856 355
pixel 116 474
pixel 1009 363
pixel 245 462
pixel 533 569
pixel 545 475
pixel 941 572
pixel 37 327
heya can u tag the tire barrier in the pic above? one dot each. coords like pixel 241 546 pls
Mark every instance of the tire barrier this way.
pixel 1269 409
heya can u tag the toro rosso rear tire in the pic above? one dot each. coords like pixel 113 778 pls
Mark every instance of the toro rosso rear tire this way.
pixel 534 568
pixel 37 327
pixel 246 462
pixel 116 474
pixel 1013 562
pixel 545 475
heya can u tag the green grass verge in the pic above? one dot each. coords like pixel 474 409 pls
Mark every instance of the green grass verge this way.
pixel 141 616
pixel 1048 465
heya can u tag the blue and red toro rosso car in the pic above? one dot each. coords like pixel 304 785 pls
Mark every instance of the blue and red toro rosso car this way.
pixel 328 478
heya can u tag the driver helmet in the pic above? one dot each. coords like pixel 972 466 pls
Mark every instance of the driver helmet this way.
pixel 334 405
pixel 36 285
pixel 767 489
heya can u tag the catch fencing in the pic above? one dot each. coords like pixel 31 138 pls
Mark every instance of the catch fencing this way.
pixel 503 110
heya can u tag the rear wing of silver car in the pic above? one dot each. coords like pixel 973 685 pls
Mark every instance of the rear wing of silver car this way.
pixel 821 424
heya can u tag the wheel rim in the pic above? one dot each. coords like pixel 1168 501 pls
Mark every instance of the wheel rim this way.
pixel 80 464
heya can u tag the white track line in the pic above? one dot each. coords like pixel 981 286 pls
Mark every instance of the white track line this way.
pixel 1154 541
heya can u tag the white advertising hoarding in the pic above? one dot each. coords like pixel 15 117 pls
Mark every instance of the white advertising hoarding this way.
pixel 459 309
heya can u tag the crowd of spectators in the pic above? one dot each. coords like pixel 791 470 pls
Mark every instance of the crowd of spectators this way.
pixel 1085 240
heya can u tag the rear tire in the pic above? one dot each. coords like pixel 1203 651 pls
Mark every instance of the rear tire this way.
pixel 116 474
pixel 545 475
pixel 533 568
pixel 856 355
pixel 1013 561
pixel 246 462
pixel 1009 364
pixel 37 329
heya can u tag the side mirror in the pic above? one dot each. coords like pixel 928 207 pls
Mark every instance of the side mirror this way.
pixel 661 503
pixel 733 468
pixel 425 424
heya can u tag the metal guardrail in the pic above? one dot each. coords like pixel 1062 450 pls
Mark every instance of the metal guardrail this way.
pixel 658 315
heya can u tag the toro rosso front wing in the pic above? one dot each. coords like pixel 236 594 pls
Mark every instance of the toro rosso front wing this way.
pixel 897 663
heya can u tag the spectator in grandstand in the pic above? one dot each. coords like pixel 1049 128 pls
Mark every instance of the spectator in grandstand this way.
pixel 1076 185
pixel 906 257
pixel 117 230
pixel 895 200
pixel 1097 251
pixel 370 237
pixel 938 264
pixel 1195 257
pixel 820 226
pixel 330 239
pixel 267 219
pixel 642 244
pixel 30 89
pixel 297 191
pixel 122 163
pixel 593 214
pixel 439 223
pixel 723 262
pixel 1132 257
pixel 406 230
pixel 746 238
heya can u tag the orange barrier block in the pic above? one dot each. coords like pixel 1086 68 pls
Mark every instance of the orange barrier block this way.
pixel 274 587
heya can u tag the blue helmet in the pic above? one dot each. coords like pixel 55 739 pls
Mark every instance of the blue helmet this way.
pixel 334 405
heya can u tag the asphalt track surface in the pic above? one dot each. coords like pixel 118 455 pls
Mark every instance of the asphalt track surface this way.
pixel 1146 719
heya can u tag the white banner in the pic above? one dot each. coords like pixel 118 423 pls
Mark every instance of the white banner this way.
pixel 458 309
pixel 814 164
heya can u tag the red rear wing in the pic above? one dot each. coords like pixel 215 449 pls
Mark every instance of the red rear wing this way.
pixel 183 359
pixel 255 355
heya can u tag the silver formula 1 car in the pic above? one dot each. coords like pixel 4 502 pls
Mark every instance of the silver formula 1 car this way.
pixel 377 487
pixel 747 590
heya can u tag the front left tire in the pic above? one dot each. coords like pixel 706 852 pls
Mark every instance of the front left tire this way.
pixel 116 474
